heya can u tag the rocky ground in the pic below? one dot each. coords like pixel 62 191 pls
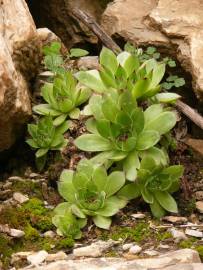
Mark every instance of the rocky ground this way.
pixel 135 241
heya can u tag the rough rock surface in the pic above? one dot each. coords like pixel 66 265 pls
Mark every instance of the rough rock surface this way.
pixel 189 258
pixel 19 58
pixel 56 15
pixel 173 24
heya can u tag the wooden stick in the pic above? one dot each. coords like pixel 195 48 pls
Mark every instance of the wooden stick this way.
pixel 96 29
pixel 109 42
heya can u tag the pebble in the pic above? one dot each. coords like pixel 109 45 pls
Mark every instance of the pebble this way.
pixel 127 246
pixel 20 256
pixel 15 178
pixel 16 233
pixel 199 195
pixel 56 257
pixel 37 258
pixel 175 219
pixel 161 246
pixel 49 234
pixel 151 253
pixel 194 233
pixel 178 235
pixel 20 198
pixel 34 175
pixel 135 249
pixel 199 206
pixel 138 216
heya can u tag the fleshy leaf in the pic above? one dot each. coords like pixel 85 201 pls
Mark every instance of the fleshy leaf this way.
pixel 92 143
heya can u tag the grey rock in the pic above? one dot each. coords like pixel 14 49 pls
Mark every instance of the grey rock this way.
pixel 16 233
pixel 95 249
pixel 37 258
pixel 175 219
pixel 179 258
pixel 138 216
pixel 20 198
pixel 49 234
pixel 135 249
pixel 194 233
pixel 178 235
pixel 56 256
pixel 127 246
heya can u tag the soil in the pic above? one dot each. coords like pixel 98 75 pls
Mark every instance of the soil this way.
pixel 34 216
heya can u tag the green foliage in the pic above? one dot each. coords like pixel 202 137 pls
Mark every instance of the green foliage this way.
pixel 45 137
pixel 63 96
pixel 173 81
pixel 131 142
pixel 54 60
pixel 124 71
pixel 151 53
pixel 155 184
pixel 89 192
pixel 122 131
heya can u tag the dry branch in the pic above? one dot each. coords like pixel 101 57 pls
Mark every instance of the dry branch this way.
pixel 108 42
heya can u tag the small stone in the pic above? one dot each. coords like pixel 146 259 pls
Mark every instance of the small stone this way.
pixel 15 178
pixel 178 235
pixel 56 257
pixel 127 246
pixel 20 256
pixel 194 233
pixel 49 234
pixel 174 219
pixel 199 206
pixel 34 175
pixel 135 249
pixel 161 246
pixel 138 216
pixel 95 249
pixel 199 195
pixel 37 258
pixel 16 233
pixel 19 197
pixel 151 253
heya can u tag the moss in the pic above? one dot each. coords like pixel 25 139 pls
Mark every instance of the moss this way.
pixel 13 217
pixel 5 250
pixel 187 243
pixel 65 243
pixel 27 187
pixel 111 253
pixel 138 233
pixel 200 250
pixel 34 206
pixel 31 233
pixel 43 223
pixel 163 236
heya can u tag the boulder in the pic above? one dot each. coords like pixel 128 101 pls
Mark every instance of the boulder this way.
pixel 19 60
pixel 174 25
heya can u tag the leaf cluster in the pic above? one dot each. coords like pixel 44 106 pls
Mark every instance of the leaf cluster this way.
pixel 130 159
pixel 89 192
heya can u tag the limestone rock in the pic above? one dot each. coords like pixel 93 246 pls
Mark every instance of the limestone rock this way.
pixel 94 250
pixel 194 233
pixel 199 206
pixel 135 249
pixel 20 198
pixel 174 259
pixel 128 19
pixel 19 60
pixel 175 26
pixel 37 258
pixel 175 219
